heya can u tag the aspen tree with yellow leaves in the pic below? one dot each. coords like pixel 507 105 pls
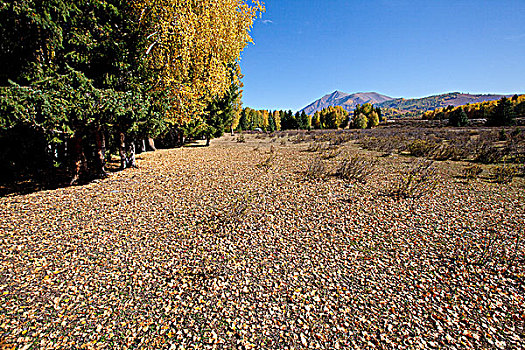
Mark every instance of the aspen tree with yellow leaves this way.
pixel 190 46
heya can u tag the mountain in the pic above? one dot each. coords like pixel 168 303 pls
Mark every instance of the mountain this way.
pixel 397 106
pixel 437 101
pixel 347 101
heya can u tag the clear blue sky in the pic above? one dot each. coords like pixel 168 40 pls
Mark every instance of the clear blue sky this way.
pixel 305 49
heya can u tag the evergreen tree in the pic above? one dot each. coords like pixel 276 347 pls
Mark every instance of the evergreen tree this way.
pixel 244 122
pixel 288 121
pixel 382 118
pixel 271 122
pixel 458 117
pixel 77 77
pixel 303 121
pixel 220 114
pixel 316 120
pixel 503 114
pixel 297 118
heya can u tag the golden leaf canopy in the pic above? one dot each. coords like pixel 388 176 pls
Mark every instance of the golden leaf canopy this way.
pixel 191 46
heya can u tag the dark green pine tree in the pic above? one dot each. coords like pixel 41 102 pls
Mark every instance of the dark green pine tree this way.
pixel 293 120
pixel 220 113
pixel 78 78
pixel 286 120
pixel 271 123
pixel 302 120
pixel 458 117
pixel 503 114
pixel 297 117
pixel 244 123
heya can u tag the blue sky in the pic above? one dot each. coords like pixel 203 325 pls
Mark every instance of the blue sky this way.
pixel 305 49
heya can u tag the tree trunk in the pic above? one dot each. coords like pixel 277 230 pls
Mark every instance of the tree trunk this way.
pixel 207 141
pixel 122 151
pixel 180 138
pixel 231 128
pixel 142 146
pixel 80 168
pixel 151 144
pixel 132 162
pixel 100 140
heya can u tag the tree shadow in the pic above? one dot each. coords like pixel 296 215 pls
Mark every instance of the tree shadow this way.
pixel 51 181
pixel 28 186
pixel 194 144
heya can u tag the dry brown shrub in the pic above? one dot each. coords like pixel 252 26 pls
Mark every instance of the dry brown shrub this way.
pixel 316 170
pixel 472 171
pixel 503 174
pixel 356 168
pixel 419 179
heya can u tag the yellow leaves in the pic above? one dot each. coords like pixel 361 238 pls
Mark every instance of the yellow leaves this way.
pixel 191 43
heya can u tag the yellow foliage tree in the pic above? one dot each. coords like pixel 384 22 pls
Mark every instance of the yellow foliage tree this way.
pixel 265 119
pixel 277 119
pixel 190 45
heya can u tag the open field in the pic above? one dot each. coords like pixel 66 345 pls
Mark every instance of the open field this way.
pixel 234 246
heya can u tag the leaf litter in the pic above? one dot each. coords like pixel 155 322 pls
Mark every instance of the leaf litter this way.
pixel 202 248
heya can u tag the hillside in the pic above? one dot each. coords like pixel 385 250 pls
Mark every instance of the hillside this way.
pixel 397 106
pixel 345 100
pixel 437 101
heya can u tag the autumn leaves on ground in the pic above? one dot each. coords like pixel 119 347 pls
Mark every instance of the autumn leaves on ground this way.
pixel 239 245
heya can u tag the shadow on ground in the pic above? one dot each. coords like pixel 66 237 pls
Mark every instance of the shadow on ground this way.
pixel 48 182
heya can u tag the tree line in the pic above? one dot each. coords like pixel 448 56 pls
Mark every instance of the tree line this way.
pixel 502 112
pixel 81 80
pixel 332 117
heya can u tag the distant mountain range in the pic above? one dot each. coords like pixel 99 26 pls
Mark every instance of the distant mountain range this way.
pixel 347 101
pixel 399 105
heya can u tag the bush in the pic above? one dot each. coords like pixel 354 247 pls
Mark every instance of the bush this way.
pixel 447 151
pixel 418 180
pixel 383 144
pixel 299 138
pixel 330 154
pixel 316 170
pixel 267 163
pixel 422 148
pixel 472 171
pixel 339 139
pixel 504 173
pixel 489 246
pixel 241 138
pixel 355 168
pixel 316 147
pixel 487 154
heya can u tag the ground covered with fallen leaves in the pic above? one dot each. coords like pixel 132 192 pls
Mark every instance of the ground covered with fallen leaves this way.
pixel 232 246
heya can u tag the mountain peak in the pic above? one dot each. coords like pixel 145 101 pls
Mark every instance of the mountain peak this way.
pixel 345 100
pixel 336 94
